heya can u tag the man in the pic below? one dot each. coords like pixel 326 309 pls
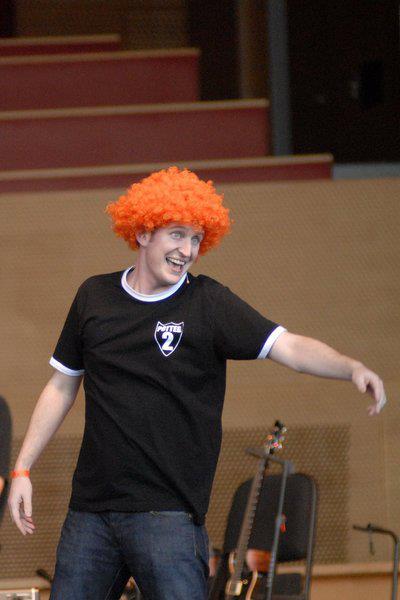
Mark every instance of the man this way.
pixel 152 344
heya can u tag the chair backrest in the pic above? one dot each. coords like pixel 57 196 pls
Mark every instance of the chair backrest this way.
pixel 299 509
pixel 5 448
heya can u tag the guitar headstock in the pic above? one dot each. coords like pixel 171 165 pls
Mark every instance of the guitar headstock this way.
pixel 275 438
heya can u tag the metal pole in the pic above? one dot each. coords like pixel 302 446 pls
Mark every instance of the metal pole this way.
pixel 279 77
pixel 375 529
pixel 278 523
pixel 395 567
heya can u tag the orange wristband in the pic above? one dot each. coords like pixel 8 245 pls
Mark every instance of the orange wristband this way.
pixel 24 473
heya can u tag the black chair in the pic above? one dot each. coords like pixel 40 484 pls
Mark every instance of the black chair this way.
pixel 5 450
pixel 296 543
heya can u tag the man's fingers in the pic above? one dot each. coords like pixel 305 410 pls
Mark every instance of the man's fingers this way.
pixel 27 506
pixel 380 399
pixel 23 524
pixel 25 515
pixel 374 387
pixel 15 516
pixel 20 504
pixel 28 527
pixel 26 521
pixel 17 520
pixel 362 387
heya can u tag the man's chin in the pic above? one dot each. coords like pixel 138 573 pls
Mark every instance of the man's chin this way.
pixel 174 277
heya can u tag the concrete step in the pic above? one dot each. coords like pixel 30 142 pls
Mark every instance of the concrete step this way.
pixel 99 79
pixel 46 139
pixel 318 166
pixel 22 46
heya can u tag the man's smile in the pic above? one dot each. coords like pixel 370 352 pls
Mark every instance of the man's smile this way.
pixel 176 264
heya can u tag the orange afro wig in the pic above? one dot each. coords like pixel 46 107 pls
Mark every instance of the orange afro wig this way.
pixel 170 196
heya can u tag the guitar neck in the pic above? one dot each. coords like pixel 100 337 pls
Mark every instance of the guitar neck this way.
pixel 248 519
pixel 236 581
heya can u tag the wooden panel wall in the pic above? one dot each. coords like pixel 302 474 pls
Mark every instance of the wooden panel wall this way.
pixel 322 258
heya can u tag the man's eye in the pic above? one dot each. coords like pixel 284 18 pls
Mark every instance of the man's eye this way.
pixel 176 234
pixel 196 240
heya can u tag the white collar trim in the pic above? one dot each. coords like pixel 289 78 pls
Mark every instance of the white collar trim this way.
pixel 150 297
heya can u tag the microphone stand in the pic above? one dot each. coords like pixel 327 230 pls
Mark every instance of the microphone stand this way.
pixel 375 529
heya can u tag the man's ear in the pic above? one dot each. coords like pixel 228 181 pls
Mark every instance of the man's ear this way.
pixel 143 237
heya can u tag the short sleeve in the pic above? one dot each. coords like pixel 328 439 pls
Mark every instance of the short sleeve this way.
pixel 67 356
pixel 240 331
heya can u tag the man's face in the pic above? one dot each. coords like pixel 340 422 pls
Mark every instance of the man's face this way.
pixel 168 253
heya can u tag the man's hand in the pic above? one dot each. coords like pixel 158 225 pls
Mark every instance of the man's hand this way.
pixel 307 355
pixel 20 504
pixel 368 381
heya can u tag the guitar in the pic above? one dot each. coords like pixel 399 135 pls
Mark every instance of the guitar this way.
pixel 243 584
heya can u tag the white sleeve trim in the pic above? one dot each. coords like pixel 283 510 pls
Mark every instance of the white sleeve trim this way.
pixel 270 341
pixel 66 370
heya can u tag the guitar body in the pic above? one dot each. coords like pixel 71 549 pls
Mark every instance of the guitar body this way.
pixel 243 589
pixel 251 587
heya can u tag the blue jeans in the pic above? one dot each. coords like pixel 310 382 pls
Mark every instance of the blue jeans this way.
pixel 165 552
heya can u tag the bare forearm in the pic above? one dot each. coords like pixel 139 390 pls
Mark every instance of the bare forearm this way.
pixel 316 358
pixel 50 411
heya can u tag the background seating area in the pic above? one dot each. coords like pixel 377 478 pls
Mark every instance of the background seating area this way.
pixel 95 116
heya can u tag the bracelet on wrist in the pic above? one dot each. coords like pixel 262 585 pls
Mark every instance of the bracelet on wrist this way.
pixel 22 473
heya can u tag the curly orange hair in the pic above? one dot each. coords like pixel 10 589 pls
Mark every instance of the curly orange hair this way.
pixel 170 196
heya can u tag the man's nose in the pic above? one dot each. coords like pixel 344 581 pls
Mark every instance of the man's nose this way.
pixel 186 247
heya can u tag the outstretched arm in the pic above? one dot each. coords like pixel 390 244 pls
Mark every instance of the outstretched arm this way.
pixel 50 411
pixel 307 355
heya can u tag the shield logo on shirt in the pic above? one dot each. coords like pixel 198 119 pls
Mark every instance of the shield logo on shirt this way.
pixel 168 336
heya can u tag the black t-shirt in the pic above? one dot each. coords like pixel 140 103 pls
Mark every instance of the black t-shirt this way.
pixel 154 378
